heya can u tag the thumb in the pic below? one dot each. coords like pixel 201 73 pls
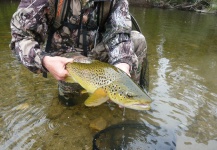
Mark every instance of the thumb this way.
pixel 68 60
pixel 65 61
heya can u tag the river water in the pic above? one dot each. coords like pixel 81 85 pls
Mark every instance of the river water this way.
pixel 182 53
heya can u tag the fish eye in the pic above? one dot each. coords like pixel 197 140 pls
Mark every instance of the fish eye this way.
pixel 130 95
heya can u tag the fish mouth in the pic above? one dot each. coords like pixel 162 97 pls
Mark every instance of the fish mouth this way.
pixel 141 106
pixel 137 106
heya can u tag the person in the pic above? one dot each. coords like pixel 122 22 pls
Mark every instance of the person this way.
pixel 82 33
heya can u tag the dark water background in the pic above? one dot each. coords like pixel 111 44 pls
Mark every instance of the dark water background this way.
pixel 182 51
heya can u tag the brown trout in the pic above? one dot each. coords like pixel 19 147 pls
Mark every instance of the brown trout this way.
pixel 105 82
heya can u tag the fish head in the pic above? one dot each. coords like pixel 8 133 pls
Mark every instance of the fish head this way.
pixel 130 97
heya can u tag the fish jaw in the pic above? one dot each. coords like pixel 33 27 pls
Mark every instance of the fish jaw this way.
pixel 135 106
pixel 140 106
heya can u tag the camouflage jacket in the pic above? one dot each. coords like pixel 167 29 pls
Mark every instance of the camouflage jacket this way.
pixel 31 23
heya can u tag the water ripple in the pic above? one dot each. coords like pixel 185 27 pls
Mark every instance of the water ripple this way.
pixel 22 122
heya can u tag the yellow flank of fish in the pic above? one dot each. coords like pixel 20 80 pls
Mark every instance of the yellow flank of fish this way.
pixel 105 82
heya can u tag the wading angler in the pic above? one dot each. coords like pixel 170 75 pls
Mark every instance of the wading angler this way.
pixel 48 34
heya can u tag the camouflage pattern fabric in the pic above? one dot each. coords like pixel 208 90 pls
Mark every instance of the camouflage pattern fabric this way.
pixel 31 23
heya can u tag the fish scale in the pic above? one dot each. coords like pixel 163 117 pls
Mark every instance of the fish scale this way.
pixel 104 81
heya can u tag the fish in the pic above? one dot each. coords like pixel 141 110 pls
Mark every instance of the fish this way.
pixel 105 82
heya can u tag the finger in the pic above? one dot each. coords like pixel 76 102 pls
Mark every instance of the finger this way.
pixel 70 60
pixel 63 75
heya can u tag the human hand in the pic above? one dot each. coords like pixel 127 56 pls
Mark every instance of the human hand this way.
pixel 125 67
pixel 56 66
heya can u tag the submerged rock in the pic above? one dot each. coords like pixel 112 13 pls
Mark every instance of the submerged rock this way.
pixel 98 124
pixel 22 106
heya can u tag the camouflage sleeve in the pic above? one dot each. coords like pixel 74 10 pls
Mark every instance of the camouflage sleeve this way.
pixel 117 35
pixel 28 30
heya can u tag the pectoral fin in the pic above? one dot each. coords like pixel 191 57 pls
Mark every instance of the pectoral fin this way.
pixel 98 97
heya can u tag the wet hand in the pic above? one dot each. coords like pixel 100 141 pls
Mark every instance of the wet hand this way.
pixel 56 66
pixel 125 67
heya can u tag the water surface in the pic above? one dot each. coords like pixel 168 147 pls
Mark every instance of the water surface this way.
pixel 182 52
